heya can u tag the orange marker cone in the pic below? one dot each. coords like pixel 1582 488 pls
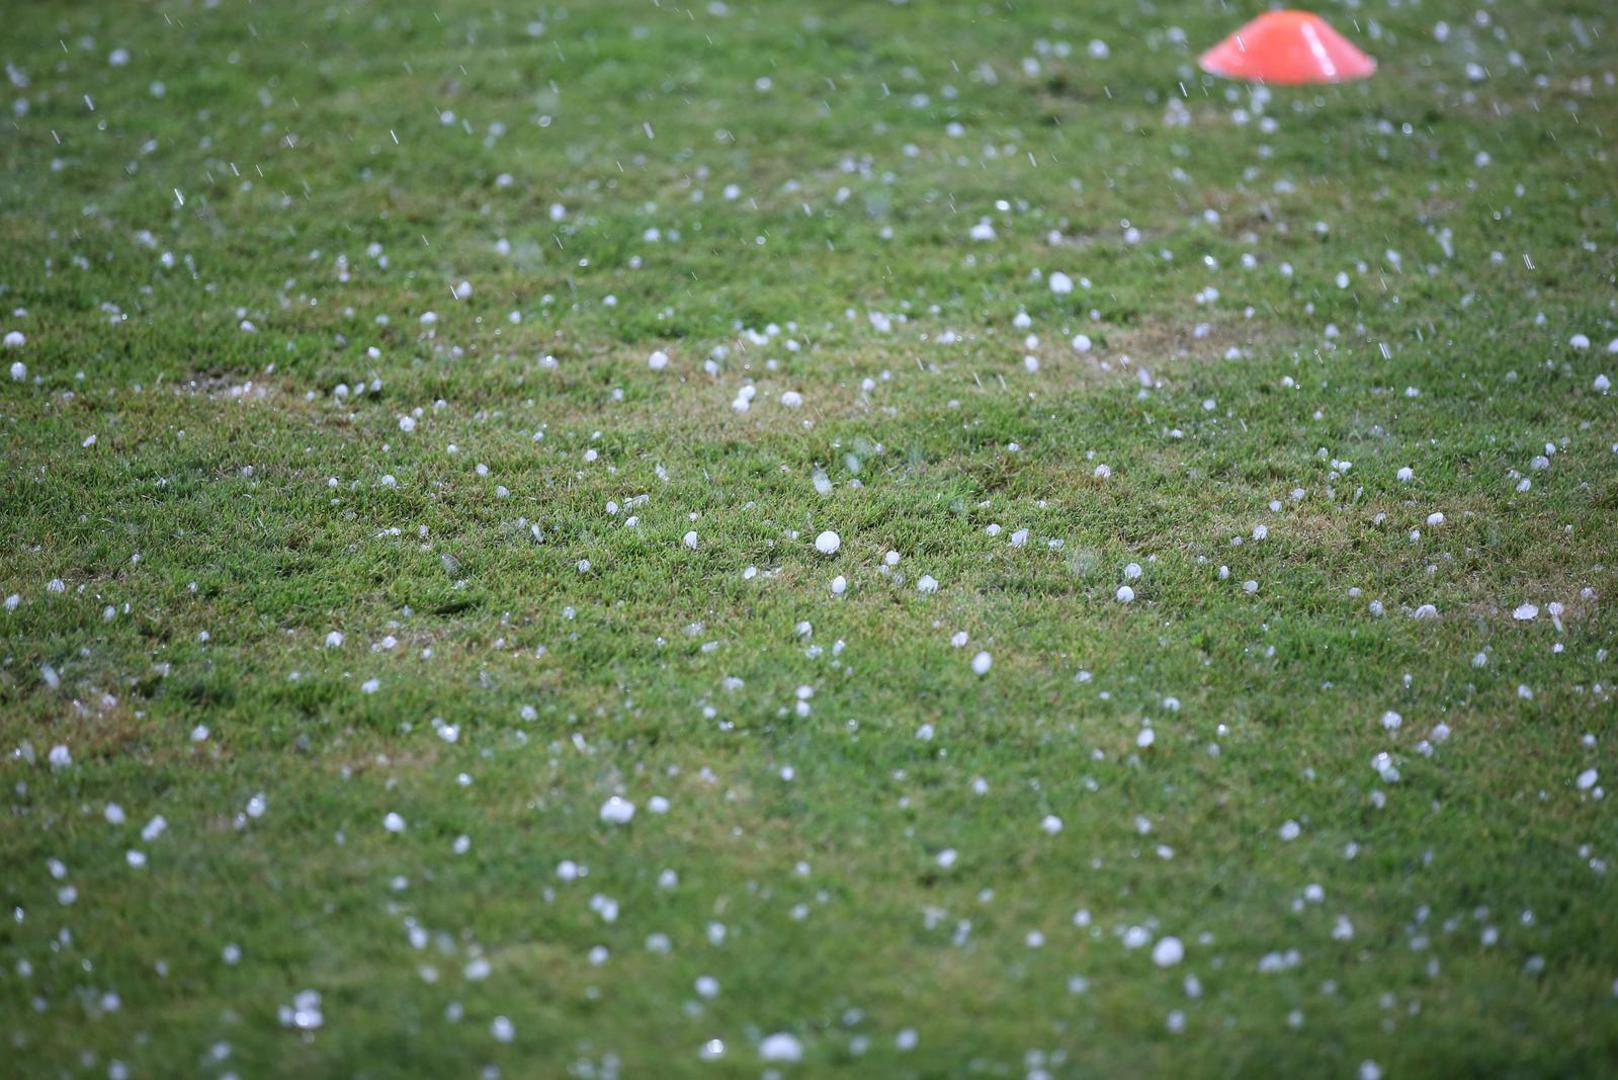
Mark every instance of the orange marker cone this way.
pixel 1288 47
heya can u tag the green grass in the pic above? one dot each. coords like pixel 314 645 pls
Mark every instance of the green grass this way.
pixel 233 511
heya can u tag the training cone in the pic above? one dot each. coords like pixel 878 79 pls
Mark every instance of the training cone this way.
pixel 1293 48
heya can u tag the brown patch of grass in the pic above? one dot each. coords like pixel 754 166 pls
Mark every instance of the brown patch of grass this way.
pixel 222 385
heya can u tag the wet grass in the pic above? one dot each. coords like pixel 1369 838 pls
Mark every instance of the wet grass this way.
pixel 1290 295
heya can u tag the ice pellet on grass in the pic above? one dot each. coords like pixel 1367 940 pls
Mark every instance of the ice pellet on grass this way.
pixel 1167 952
pixel 781 1047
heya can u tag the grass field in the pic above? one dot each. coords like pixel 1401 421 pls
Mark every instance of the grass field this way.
pixel 421 418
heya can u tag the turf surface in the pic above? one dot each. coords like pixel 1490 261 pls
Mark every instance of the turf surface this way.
pixel 420 422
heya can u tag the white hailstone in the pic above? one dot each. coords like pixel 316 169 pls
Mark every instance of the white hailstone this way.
pixel 1392 720
pixel 1061 284
pixel 1051 824
pixel 371 686
pixel 1136 936
pixel 792 399
pixel 407 424
pixel 1019 538
pixel 1525 613
pixel 1132 571
pixel 981 663
pixel 1168 952
pixel 1290 831
pixel 658 360
pixel 19 371
pixel 15 339
pixel 1370 1070
pixel 1125 595
pixel 1249 587
pixel 334 640
pixel 1579 341
pixel 1586 780
pixel 690 540
pixel 1602 383
pixel 947 857
pixel 927 584
pixel 304 1013
pixel 707 987
pixel 1435 518
pixel 828 542
pixel 617 811
pixel 1081 343
pixel 1406 474
pixel 891 558
pixel 983 230
pixel 1103 471
pixel 781 1046
pixel 839 585
pixel 394 823
pixel 502 1029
